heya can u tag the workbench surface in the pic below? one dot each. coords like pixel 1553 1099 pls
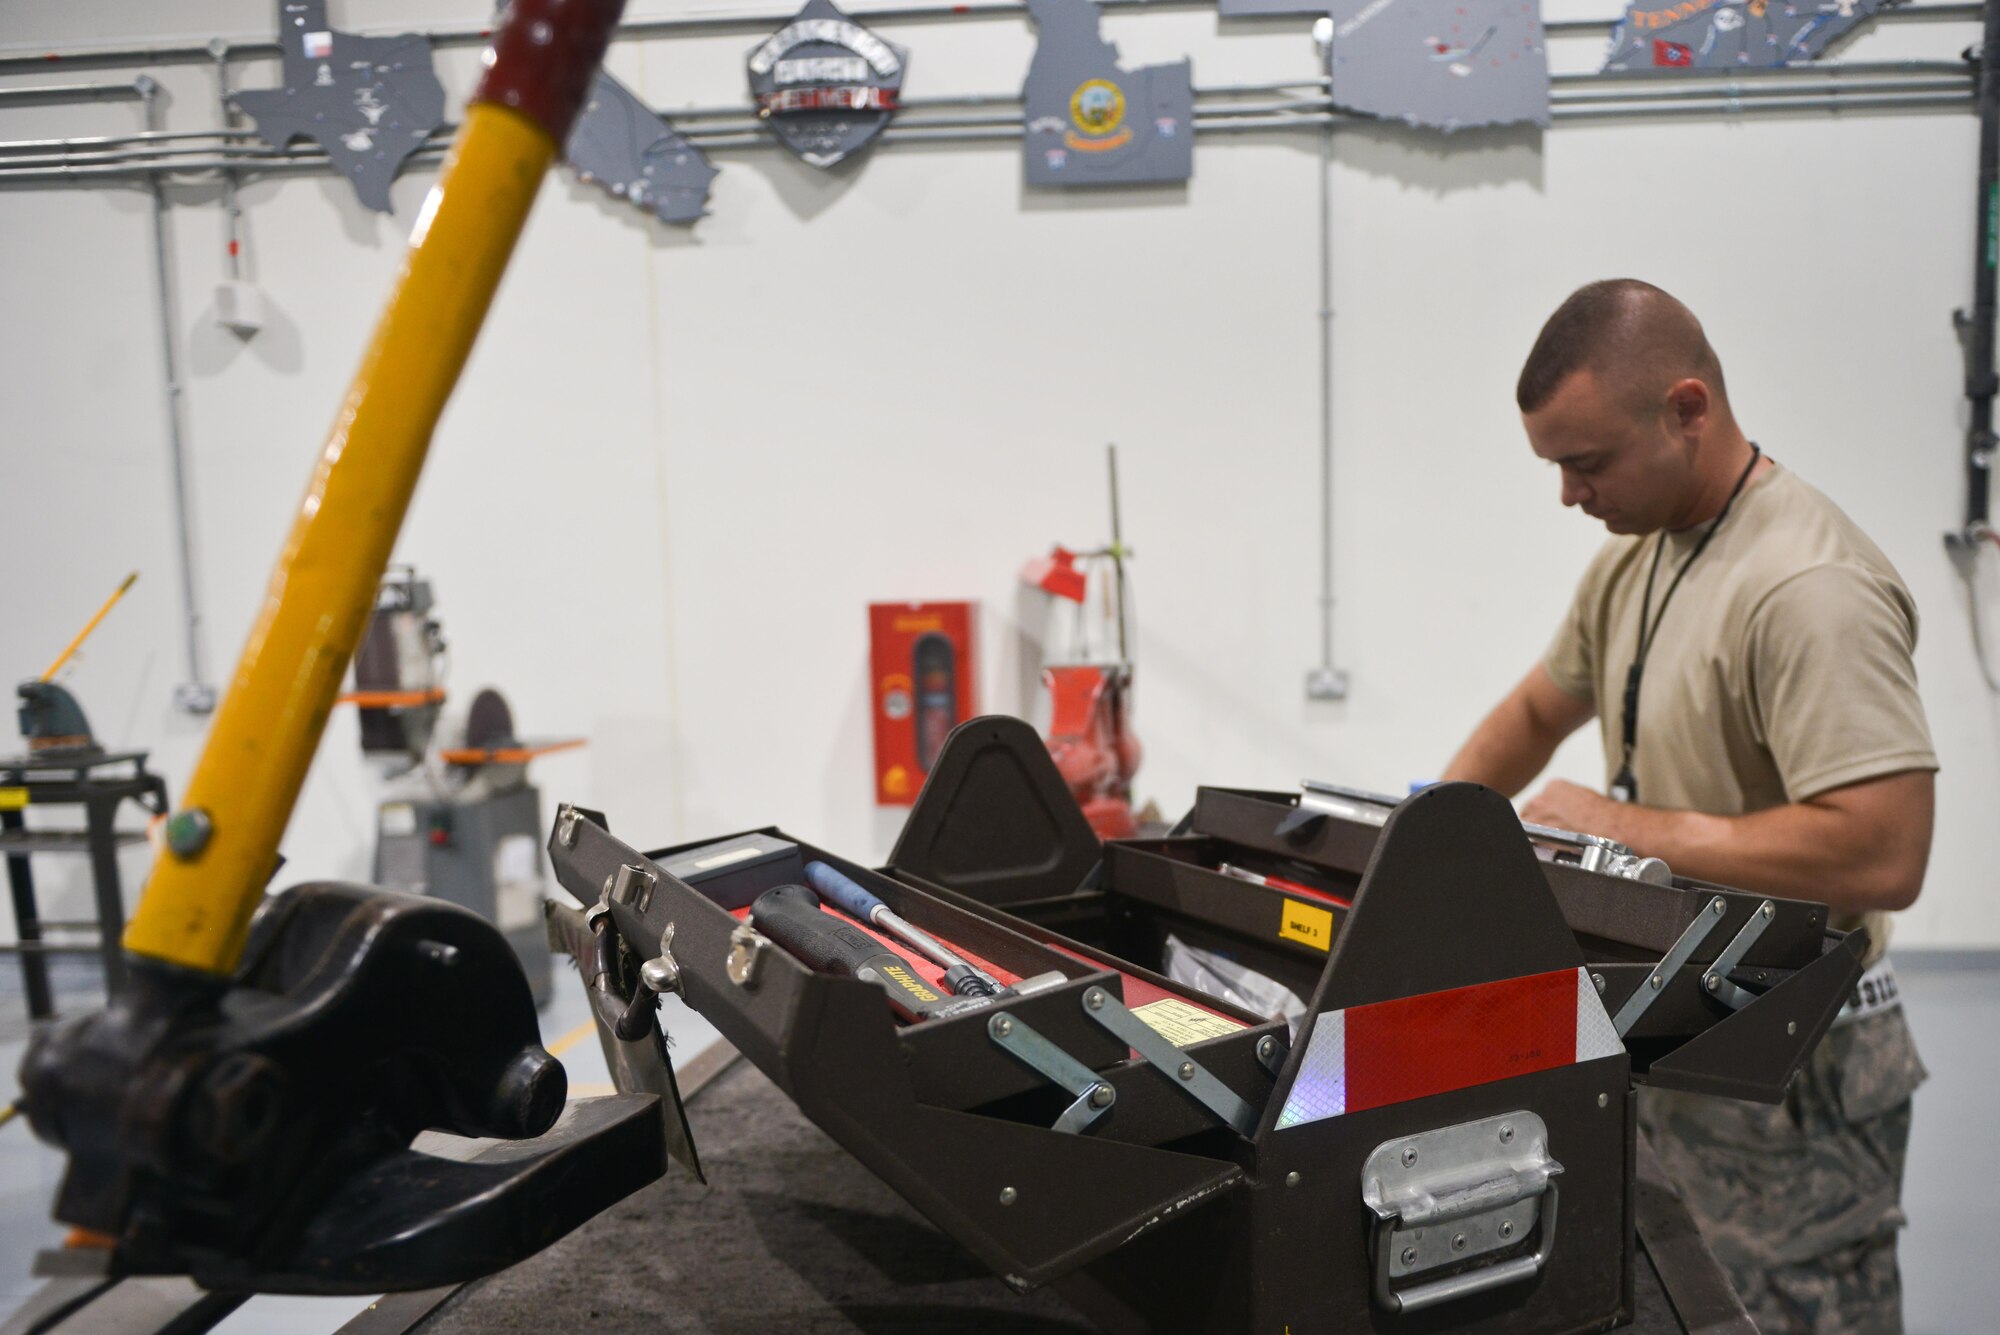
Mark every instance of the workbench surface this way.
pixel 793 1235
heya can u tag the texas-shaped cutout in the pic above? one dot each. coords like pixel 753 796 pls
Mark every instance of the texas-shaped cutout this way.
pixel 370 102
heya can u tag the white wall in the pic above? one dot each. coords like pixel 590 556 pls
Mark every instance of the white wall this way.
pixel 669 483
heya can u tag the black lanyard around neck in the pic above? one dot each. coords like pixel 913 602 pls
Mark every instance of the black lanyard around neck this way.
pixel 1625 787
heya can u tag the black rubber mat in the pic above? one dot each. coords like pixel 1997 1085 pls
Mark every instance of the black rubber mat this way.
pixel 794 1235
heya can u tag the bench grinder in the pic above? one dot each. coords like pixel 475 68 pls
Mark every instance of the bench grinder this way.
pixel 458 819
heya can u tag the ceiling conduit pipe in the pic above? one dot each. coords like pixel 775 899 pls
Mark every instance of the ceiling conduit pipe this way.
pixel 1325 682
pixel 195 695
pixel 109 167
pixel 46 93
pixel 232 213
pixel 21 60
pixel 1810 87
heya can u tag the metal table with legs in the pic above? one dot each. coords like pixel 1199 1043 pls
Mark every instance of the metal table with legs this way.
pixel 100 782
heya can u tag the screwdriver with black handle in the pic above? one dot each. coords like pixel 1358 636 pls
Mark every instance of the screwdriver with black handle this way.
pixel 791 915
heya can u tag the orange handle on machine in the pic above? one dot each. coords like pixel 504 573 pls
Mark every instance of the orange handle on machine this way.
pixel 221 845
pixel 90 626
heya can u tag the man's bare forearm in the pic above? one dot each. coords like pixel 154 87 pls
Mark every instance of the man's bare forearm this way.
pixel 1856 851
pixel 1504 752
pixel 1514 742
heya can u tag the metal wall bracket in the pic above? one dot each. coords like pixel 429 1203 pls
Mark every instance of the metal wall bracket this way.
pixel 1093 1095
pixel 1716 980
pixel 1670 964
pixel 1450 1195
pixel 1185 1072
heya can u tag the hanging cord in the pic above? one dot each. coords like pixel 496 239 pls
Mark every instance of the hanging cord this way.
pixel 428 763
pixel 1972 608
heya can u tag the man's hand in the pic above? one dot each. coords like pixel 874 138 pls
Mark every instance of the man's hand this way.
pixel 1569 806
pixel 1856 848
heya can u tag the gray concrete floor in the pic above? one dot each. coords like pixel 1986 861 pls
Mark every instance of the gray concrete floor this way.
pixel 1951 1285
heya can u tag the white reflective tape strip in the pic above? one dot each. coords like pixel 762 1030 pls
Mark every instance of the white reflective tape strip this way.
pixel 1320 1091
pixel 1874 992
pixel 1596 1036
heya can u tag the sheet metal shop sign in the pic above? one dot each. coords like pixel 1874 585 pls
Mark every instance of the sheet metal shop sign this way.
pixel 825 84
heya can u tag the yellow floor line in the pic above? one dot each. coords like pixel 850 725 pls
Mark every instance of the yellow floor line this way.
pixel 572 1038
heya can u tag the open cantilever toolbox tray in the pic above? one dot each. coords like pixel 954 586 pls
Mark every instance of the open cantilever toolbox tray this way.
pixel 1477 1011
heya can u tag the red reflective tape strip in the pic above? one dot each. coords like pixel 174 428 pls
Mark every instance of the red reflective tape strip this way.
pixel 1418 1046
pixel 793 101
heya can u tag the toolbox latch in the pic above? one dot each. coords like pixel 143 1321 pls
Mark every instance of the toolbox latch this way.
pixel 1447 1198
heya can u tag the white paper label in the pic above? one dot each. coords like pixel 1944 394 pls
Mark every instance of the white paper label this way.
pixel 724 859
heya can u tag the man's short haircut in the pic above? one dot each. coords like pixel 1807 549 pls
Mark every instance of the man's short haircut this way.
pixel 1634 334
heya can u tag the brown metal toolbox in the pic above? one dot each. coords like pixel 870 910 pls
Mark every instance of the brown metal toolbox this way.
pixel 1448 1143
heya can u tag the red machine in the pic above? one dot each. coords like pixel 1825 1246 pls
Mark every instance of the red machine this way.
pixel 1092 742
pixel 1087 671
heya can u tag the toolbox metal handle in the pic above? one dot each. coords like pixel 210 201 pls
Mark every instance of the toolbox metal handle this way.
pixel 1454 1194
pixel 1421 1296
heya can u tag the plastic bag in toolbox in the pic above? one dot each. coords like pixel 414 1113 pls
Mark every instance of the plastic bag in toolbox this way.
pixel 1222 977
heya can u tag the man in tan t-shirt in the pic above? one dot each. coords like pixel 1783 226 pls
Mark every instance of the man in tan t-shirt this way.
pixel 1772 739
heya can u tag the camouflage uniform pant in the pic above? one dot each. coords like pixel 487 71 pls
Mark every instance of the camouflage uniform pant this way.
pixel 1801 1201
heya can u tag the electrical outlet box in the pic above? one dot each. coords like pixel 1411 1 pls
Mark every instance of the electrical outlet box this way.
pixel 239 307
pixel 1326 684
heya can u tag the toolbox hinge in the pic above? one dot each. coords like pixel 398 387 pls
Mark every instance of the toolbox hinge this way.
pixel 1650 987
pixel 1716 980
pixel 1181 1070
pixel 1093 1095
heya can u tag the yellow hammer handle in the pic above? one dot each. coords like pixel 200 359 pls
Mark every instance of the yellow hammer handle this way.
pixel 90 626
pixel 221 846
